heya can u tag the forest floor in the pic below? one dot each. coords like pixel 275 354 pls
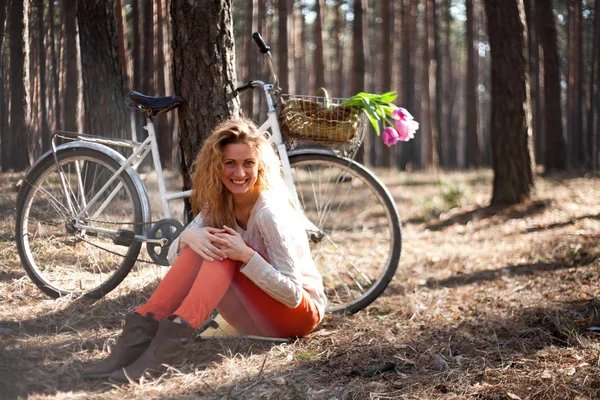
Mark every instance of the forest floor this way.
pixel 487 303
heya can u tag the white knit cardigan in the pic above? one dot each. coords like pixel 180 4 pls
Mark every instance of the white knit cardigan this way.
pixel 275 229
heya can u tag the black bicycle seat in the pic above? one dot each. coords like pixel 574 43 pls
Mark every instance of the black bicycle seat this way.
pixel 153 105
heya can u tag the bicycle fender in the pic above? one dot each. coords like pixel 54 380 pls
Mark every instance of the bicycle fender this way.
pixel 118 157
pixel 312 150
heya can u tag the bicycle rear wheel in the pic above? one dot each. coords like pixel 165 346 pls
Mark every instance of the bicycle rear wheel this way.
pixel 60 258
pixel 358 244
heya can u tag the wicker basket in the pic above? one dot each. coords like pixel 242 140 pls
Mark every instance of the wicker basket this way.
pixel 321 120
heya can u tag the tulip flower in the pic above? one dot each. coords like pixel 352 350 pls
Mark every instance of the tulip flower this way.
pixel 390 136
pixel 406 126
pixel 379 108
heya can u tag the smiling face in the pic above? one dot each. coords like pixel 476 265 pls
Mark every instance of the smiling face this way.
pixel 240 168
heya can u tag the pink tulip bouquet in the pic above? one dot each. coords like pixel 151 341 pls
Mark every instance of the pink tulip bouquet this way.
pixel 398 124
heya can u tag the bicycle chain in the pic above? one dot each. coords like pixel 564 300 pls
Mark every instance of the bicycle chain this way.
pixel 115 253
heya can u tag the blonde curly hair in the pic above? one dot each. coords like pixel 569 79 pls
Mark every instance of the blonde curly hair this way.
pixel 210 198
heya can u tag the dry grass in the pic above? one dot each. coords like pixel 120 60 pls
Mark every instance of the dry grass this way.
pixel 488 303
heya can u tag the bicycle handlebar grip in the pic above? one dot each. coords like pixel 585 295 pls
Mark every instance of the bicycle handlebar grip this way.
pixel 245 87
pixel 261 43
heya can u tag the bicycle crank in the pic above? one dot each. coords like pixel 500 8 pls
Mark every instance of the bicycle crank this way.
pixel 168 229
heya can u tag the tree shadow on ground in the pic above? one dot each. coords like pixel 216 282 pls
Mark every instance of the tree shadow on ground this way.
pixel 384 359
pixel 587 254
pixel 563 224
pixel 58 370
pixel 502 213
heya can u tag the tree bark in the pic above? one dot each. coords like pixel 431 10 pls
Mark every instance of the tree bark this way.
pixel 554 143
pixel 165 139
pixel 319 62
pixel 136 60
pixel 410 15
pixel 574 88
pixel 299 50
pixel 4 128
pixel 54 68
pixel 338 64
pixel 511 139
pixel 594 133
pixel 447 134
pixel 203 72
pixel 122 40
pixel 71 80
pixel 426 127
pixel 472 139
pixel 101 70
pixel 359 71
pixel 387 14
pixel 534 81
pixel 18 141
pixel 44 129
pixel 438 86
pixel 283 69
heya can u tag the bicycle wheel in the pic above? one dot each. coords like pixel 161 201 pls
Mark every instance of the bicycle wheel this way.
pixel 358 244
pixel 60 258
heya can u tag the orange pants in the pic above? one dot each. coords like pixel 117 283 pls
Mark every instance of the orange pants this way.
pixel 193 287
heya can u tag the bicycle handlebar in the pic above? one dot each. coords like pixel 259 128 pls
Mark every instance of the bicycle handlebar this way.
pixel 261 43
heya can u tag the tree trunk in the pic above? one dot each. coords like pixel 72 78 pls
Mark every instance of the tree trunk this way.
pixel 438 86
pixel 594 124
pixel 18 141
pixel 283 69
pixel 105 112
pixel 426 128
pixel 122 40
pixel 387 14
pixel 554 143
pixel 136 57
pixel 338 64
pixel 534 81
pixel 71 80
pixel 203 72
pixel 319 62
pixel 410 15
pixel 472 139
pixel 357 82
pixel 44 130
pixel 447 134
pixel 511 139
pixel 574 88
pixel 249 51
pixel 164 137
pixel 54 68
pixel 4 133
pixel 358 51
pixel 299 50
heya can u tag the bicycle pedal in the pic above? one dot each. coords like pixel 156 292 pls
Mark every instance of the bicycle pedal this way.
pixel 124 237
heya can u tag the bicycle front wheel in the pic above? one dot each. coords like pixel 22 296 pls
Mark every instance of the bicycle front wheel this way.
pixel 60 258
pixel 358 241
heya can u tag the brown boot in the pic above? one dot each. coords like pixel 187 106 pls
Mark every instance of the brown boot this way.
pixel 137 335
pixel 167 347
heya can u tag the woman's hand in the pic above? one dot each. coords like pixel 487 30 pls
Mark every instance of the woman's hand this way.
pixel 236 248
pixel 205 242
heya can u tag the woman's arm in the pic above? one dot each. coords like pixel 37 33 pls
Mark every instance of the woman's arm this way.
pixel 279 273
pixel 200 239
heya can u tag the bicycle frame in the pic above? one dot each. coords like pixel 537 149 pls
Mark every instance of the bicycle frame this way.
pixel 150 145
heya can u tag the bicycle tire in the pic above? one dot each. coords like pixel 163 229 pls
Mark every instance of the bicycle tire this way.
pixel 59 259
pixel 358 262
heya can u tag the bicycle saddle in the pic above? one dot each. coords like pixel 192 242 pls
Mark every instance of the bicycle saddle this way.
pixel 153 105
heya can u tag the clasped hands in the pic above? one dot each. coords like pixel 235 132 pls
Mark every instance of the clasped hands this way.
pixel 216 244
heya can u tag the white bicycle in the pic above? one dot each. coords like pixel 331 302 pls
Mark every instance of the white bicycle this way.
pixel 84 215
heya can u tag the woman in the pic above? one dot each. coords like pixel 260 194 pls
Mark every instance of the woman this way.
pixel 245 254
